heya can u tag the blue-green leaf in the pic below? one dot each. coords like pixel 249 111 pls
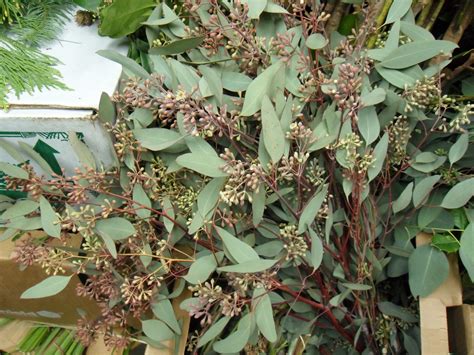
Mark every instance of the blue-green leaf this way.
pixel 423 189
pixel 201 269
pixel 48 287
pixel 458 149
pixel 311 209
pixel 157 139
pixel 157 330
pixel 274 138
pixel 49 219
pixel 466 251
pixel 416 52
pixel 249 266
pixel 459 195
pixel 398 9
pixel 427 269
pixel 262 85
pixel 208 166
pixel 368 124
pixel 404 199
pixel 264 314
pixel 236 341
pixel 117 228
pixel 240 251
pixel 213 331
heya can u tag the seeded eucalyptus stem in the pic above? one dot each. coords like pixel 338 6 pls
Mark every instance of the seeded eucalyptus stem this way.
pixel 336 16
pixel 460 22
pixel 381 12
pixel 420 21
pixel 434 15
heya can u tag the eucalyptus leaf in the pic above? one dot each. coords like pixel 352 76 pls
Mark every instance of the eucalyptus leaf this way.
pixel 264 314
pixel 25 224
pixel 20 208
pixel 210 166
pixel 258 205
pixel 128 64
pixel 374 97
pixel 316 41
pixel 393 310
pixel 157 139
pixel 404 199
pixel 466 250
pixel 428 268
pixel 48 287
pixel 423 189
pixel 235 81
pixel 249 266
pixel 262 85
pixel 13 171
pixel 209 196
pixel 459 195
pixel 177 46
pixel 317 249
pixel 274 138
pixel 139 195
pixel 311 209
pixel 82 151
pixel 398 9
pixel 163 310
pixel 416 52
pixel 380 153
pixel 116 228
pixel 256 7
pixel 49 220
pixel 106 109
pixel 201 269
pixel 157 330
pixel 240 251
pixel 458 149
pixel 368 124
pixel 213 331
pixel 237 340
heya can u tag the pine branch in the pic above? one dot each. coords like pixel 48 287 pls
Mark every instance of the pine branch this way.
pixel 10 10
pixel 42 21
pixel 25 69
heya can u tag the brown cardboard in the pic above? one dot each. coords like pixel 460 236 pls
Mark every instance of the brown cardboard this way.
pixel 461 326
pixel 98 348
pixel 61 309
pixel 12 334
pixel 433 308
pixel 170 347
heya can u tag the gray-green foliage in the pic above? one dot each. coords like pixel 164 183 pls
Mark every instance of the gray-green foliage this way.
pixel 285 191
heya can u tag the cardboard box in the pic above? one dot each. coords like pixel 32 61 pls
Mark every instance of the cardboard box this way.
pixel 61 309
pixel 178 345
pixel 12 334
pixel 461 326
pixel 43 119
pixel 434 308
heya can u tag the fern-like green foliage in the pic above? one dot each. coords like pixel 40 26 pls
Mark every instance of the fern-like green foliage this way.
pixel 23 67
pixel 41 22
pixel 10 10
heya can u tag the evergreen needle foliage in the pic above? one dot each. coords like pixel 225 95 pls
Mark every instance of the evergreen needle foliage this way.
pixel 26 26
pixel 9 10
pixel 24 69
pixel 42 21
